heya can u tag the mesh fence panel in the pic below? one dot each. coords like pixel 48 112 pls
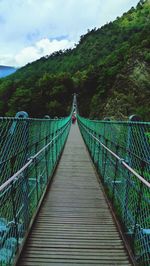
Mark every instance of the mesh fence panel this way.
pixel 129 195
pixel 20 140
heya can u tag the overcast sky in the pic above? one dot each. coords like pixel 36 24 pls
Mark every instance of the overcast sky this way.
pixel 30 29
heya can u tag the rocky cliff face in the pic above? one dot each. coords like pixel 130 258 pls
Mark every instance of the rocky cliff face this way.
pixel 131 91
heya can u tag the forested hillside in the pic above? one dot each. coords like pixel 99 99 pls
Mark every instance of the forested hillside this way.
pixel 109 69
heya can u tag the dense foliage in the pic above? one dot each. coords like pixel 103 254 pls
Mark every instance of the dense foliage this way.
pixel 109 69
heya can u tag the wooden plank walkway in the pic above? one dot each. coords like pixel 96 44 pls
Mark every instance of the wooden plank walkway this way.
pixel 74 225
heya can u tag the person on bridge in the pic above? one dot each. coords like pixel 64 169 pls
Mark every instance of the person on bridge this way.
pixel 73 119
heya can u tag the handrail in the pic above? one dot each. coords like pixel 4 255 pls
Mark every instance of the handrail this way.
pixel 121 160
pixel 13 177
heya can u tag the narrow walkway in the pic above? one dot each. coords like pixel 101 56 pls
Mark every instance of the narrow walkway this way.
pixel 74 226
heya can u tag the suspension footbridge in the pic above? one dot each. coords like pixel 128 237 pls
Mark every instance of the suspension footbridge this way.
pixel 54 207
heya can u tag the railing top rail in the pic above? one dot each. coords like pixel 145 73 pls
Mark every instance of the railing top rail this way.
pixel 13 177
pixel 31 119
pixel 121 160
pixel 118 122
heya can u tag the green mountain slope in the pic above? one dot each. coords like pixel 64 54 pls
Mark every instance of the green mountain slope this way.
pixel 109 69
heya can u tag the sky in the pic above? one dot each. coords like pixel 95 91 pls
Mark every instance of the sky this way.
pixel 30 29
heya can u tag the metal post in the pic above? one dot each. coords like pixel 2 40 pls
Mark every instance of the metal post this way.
pixel 94 148
pixel 12 164
pixel 138 205
pixel 115 175
pixel 25 184
pixel 46 158
pixel 36 172
pixel 98 158
pixel 105 160
pixel 129 160
pixel 52 151
pixel 14 214
pixel 56 148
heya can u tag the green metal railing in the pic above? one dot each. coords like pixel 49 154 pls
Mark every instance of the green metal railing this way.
pixel 121 154
pixel 30 150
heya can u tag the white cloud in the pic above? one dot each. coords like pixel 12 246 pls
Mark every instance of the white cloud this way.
pixel 41 48
pixel 28 54
pixel 26 24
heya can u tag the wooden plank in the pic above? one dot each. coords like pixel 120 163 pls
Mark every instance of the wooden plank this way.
pixel 60 262
pixel 41 261
pixel 75 225
pixel 47 256
pixel 81 252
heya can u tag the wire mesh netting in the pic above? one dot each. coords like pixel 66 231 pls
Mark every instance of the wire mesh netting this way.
pixel 130 141
pixel 36 144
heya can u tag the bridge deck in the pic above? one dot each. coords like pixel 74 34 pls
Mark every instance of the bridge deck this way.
pixel 74 225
